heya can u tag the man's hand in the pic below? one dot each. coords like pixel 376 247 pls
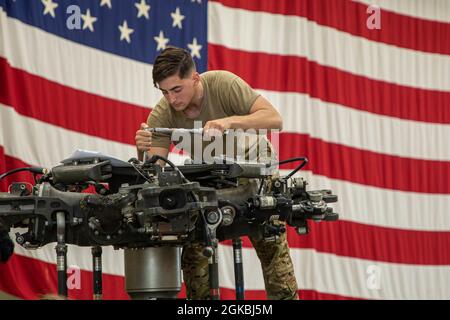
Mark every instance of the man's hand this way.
pixel 6 245
pixel 143 139
pixel 217 127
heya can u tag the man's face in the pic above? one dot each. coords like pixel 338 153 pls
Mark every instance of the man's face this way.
pixel 179 92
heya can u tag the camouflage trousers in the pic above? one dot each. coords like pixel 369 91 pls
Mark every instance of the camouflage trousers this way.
pixel 276 263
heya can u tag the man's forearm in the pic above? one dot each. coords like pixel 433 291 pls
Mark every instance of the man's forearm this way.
pixel 262 119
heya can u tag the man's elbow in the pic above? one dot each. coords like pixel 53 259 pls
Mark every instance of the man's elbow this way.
pixel 277 120
pixel 279 123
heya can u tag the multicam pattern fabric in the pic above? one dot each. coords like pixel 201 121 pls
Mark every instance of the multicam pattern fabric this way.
pixel 276 263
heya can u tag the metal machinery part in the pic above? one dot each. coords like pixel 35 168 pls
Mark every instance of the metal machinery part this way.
pixel 152 273
pixel 152 213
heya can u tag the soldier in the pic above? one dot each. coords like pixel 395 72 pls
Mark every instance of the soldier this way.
pixel 221 101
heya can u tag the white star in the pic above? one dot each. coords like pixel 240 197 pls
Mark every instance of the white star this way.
pixel 125 32
pixel 106 2
pixel 162 42
pixel 177 18
pixel 199 1
pixel 88 20
pixel 143 9
pixel 195 48
pixel 50 7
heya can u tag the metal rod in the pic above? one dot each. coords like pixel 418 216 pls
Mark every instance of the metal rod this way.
pixel 61 253
pixel 97 271
pixel 214 291
pixel 179 130
pixel 238 269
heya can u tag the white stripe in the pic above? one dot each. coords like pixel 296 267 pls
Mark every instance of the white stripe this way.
pixel 75 65
pixel 358 203
pixel 323 272
pixel 351 277
pixel 436 10
pixel 297 36
pixel 360 129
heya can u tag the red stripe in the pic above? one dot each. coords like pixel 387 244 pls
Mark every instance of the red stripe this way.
pixel 297 74
pixel 356 240
pixel 366 167
pixel 351 17
pixel 69 108
pixel 316 295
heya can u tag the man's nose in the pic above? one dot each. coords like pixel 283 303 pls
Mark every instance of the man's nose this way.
pixel 172 97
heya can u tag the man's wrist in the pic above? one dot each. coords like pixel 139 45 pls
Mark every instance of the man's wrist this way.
pixel 234 122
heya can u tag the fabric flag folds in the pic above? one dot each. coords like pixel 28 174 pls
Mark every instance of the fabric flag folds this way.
pixel 369 107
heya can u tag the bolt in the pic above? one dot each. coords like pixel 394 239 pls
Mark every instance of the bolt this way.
pixel 212 217
pixel 208 252
pixel 20 239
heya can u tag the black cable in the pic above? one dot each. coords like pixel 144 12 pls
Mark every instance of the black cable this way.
pixel 304 159
pixel 133 162
pixel 36 170
pixel 140 172
pixel 156 157
pixel 43 178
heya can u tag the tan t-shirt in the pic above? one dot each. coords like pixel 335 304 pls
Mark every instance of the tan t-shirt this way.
pixel 225 95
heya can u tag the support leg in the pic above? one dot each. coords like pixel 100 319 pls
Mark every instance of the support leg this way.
pixel 61 253
pixel 97 272
pixel 238 269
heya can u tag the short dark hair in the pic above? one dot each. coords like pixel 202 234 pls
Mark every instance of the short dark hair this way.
pixel 172 61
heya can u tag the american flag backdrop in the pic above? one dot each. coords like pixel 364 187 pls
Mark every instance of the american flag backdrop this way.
pixel 369 107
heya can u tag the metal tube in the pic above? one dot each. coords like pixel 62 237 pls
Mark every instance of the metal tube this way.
pixel 238 269
pixel 179 130
pixel 97 271
pixel 61 253
pixel 152 273
pixel 214 291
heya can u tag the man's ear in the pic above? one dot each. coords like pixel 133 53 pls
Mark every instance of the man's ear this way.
pixel 196 77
